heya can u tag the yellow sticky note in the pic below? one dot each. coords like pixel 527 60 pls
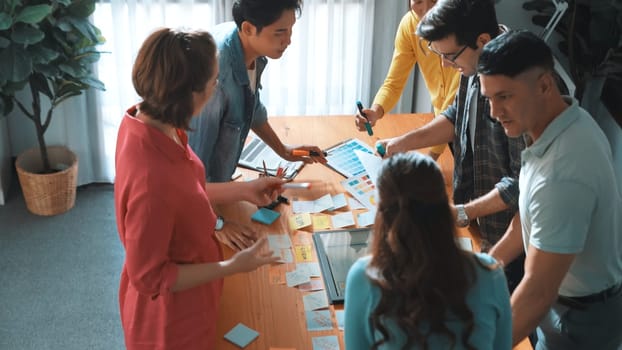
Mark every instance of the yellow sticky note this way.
pixel 299 221
pixel 303 253
pixel 321 222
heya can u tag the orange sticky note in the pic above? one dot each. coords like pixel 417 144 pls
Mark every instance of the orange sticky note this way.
pixel 301 238
pixel 277 274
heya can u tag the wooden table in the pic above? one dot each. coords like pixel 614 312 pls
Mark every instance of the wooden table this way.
pixel 275 310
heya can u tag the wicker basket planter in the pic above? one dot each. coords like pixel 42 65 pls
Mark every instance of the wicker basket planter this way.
pixel 48 194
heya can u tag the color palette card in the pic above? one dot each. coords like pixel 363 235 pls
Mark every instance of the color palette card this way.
pixel 241 335
pixel 342 158
pixel 362 188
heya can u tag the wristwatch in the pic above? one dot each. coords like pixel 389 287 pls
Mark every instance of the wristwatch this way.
pixel 462 219
pixel 220 222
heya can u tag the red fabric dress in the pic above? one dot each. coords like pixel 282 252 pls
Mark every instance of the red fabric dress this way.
pixel 164 218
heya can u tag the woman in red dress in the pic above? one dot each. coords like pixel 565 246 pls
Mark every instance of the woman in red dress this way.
pixel 172 276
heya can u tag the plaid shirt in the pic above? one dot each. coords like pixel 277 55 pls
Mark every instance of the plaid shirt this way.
pixel 494 163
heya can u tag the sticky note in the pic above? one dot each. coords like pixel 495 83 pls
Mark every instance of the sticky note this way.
pixel 311 269
pixel 343 220
pixel 296 277
pixel 339 201
pixel 340 315
pixel 241 335
pixel 328 342
pixel 465 243
pixel 319 320
pixel 367 218
pixel 303 253
pixel 312 286
pixel 315 300
pixel 279 241
pixel 302 238
pixel 321 222
pixel 298 221
pixel 265 216
pixel 276 274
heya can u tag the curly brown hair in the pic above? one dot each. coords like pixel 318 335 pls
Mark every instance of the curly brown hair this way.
pixel 169 67
pixel 422 273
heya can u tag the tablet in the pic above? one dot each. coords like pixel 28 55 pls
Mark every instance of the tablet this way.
pixel 337 251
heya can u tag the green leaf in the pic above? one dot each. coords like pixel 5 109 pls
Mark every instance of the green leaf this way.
pixel 71 68
pixel 16 64
pixel 33 14
pixel 5 21
pixel 26 34
pixel 88 57
pixel 40 83
pixel 4 42
pixel 85 28
pixel 64 2
pixel 41 54
pixel 47 69
pixel 66 96
pixel 82 8
pixel 94 83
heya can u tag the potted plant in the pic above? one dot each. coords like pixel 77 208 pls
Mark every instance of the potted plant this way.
pixel 46 48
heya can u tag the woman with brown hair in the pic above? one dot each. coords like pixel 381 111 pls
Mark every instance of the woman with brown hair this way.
pixel 418 289
pixel 172 275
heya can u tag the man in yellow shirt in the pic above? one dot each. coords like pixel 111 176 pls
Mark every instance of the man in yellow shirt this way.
pixel 442 82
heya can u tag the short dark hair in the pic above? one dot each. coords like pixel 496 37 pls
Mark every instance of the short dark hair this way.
pixel 514 52
pixel 169 67
pixel 261 13
pixel 466 19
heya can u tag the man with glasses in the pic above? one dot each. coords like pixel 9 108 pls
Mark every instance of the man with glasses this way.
pixel 486 162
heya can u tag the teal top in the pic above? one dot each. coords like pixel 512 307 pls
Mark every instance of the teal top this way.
pixel 488 299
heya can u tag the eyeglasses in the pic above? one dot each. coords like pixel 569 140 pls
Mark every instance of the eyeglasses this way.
pixel 449 57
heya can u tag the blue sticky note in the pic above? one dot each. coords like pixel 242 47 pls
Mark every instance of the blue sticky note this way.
pixel 329 342
pixel 265 216
pixel 319 320
pixel 241 335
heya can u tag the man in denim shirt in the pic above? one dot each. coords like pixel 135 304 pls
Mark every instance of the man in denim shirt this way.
pixel 261 28
pixel 486 161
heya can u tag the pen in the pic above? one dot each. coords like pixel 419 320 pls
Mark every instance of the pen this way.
pixel 305 153
pixel 265 170
pixel 305 185
pixel 381 150
pixel 359 105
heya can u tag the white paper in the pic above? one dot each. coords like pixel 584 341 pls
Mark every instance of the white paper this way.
pixel 371 163
pixel 296 277
pixel 315 300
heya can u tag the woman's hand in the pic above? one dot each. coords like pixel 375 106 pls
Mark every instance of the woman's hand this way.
pixel 263 190
pixel 236 235
pixel 306 153
pixel 253 257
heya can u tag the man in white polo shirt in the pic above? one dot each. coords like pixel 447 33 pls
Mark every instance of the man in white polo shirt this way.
pixel 570 203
